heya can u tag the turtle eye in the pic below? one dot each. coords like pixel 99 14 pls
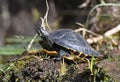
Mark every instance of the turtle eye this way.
pixel 38 29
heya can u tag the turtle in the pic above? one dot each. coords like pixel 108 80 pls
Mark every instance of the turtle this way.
pixel 66 42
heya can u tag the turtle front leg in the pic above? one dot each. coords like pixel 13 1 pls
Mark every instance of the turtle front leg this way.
pixel 52 53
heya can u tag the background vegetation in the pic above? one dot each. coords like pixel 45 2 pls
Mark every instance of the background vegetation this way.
pixel 97 20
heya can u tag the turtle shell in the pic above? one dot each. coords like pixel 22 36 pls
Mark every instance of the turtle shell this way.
pixel 69 39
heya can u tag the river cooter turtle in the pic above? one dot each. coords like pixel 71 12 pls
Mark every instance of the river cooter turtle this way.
pixel 66 42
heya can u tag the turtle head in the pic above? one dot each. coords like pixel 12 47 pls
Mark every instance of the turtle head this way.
pixel 46 41
pixel 41 31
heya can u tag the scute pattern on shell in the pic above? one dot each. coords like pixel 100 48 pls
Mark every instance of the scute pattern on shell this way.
pixel 69 39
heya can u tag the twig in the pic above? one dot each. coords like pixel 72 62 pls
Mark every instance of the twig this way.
pixel 81 25
pixel 44 19
pixel 106 34
pixel 31 42
pixel 84 4
pixel 43 23
pixel 78 30
pixel 83 29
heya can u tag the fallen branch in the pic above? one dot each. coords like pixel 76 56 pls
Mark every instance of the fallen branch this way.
pixel 106 34
pixel 112 31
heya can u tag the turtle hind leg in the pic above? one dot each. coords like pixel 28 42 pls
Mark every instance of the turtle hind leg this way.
pixel 61 54
pixel 66 55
